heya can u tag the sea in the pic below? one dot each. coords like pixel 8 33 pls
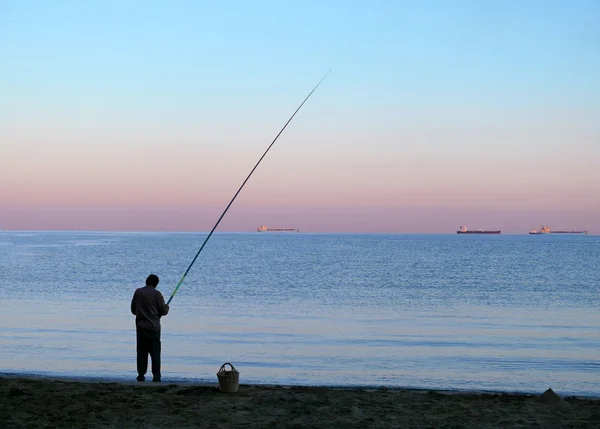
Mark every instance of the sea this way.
pixel 493 313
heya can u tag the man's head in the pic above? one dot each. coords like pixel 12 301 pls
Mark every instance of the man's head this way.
pixel 152 280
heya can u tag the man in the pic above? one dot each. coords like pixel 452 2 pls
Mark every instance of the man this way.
pixel 148 306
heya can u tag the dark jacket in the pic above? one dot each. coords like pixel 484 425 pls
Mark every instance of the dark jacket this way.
pixel 148 306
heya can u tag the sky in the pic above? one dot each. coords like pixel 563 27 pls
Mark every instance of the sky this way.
pixel 148 115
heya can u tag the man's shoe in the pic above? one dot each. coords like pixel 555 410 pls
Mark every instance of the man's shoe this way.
pixel 156 380
pixel 141 378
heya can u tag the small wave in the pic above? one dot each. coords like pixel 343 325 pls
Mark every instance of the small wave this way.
pixel 90 243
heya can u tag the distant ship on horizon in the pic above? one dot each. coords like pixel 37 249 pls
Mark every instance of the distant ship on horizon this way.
pixel 263 228
pixel 464 230
pixel 546 230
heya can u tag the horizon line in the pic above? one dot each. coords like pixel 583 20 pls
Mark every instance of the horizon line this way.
pixel 589 232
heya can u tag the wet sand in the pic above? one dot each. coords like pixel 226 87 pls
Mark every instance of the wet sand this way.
pixel 45 403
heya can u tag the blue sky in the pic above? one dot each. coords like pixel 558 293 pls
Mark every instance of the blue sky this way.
pixel 101 76
pixel 137 51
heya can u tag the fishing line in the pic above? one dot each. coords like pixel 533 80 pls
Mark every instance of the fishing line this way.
pixel 242 185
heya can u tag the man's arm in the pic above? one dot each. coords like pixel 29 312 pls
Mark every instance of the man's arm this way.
pixel 162 307
pixel 133 303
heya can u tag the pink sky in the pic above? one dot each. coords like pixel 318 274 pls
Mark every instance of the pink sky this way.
pixel 409 179
pixel 370 219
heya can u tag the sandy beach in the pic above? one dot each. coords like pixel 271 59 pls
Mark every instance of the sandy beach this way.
pixel 44 403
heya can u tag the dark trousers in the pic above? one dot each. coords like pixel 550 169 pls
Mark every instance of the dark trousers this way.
pixel 148 343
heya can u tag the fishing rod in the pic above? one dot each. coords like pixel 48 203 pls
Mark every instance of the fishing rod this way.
pixel 242 185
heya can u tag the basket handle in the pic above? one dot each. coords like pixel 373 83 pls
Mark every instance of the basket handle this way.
pixel 223 367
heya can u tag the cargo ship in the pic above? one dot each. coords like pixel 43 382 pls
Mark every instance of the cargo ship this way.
pixel 464 230
pixel 263 228
pixel 546 230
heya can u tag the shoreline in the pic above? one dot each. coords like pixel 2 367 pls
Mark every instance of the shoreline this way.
pixel 207 383
pixel 40 401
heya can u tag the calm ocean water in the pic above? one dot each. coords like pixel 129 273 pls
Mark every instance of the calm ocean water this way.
pixel 509 312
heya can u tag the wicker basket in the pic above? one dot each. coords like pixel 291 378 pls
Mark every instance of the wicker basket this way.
pixel 229 381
